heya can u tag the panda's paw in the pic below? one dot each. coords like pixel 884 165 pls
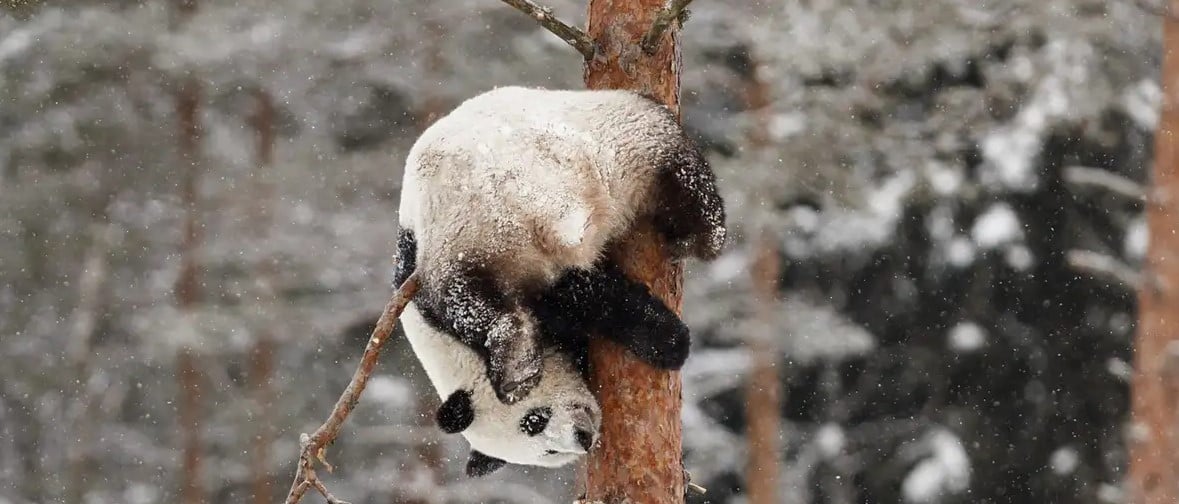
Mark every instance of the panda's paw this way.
pixel 516 382
pixel 664 345
pixel 514 357
pixel 706 245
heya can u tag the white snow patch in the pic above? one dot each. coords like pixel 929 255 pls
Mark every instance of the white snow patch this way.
pixel 1019 257
pixel 946 471
pixel 1141 102
pixel 1064 461
pixel 1110 493
pixel 138 493
pixel 389 390
pixel 967 337
pixel 15 43
pixel 940 223
pixel 830 440
pixel 1136 239
pixel 945 180
pixel 961 252
pixel 783 126
pixel 1010 151
pixel 860 230
pixel 729 267
pixel 997 226
pixel 1119 368
pixel 818 331
pixel 804 218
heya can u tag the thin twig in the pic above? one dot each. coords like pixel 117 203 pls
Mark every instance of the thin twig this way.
pixel 692 487
pixel 311 447
pixel 573 36
pixel 663 19
pixel 1104 266
pixel 1105 180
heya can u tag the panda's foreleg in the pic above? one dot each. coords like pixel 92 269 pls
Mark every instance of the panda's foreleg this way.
pixel 691 214
pixel 466 304
pixel 605 302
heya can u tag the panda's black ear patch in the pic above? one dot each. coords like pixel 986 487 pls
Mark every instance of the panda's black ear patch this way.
pixel 456 413
pixel 481 464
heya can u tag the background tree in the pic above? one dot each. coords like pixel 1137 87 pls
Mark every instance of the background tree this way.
pixel 1154 436
pixel 763 392
pixel 930 178
pixel 188 288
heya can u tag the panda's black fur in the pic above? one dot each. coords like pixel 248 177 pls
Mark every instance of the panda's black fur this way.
pixel 599 301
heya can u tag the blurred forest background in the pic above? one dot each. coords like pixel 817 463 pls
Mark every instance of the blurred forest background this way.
pixel 198 210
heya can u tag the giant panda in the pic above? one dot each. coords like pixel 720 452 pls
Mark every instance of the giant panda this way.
pixel 508 205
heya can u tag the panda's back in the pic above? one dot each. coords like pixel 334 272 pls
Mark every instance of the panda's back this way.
pixel 543 177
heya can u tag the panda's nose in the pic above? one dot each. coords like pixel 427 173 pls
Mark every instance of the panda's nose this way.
pixel 585 439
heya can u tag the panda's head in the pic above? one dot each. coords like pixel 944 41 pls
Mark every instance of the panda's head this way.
pixel 552 426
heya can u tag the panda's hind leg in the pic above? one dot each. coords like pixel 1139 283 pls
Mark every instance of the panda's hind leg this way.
pixel 691 214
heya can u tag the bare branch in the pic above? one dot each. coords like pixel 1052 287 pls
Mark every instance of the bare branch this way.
pixel 1104 266
pixel 544 15
pixel 692 487
pixel 311 447
pixel 663 19
pixel 1105 180
pixel 331 499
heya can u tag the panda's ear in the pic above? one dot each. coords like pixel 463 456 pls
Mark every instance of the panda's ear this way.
pixel 456 413
pixel 481 464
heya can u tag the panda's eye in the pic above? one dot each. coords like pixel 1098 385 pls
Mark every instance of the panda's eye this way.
pixel 535 421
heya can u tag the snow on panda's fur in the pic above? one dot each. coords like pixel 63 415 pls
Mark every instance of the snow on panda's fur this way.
pixel 508 205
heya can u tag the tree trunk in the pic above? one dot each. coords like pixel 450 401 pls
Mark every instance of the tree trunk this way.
pixel 1154 446
pixel 187 289
pixel 763 394
pixel 639 456
pixel 262 353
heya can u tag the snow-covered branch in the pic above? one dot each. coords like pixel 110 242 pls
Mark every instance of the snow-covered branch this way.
pixel 544 15
pixel 1105 180
pixel 672 12
pixel 1104 266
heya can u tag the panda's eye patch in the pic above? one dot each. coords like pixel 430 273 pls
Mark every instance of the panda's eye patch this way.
pixel 535 421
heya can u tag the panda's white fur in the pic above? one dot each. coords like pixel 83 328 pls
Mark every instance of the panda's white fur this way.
pixel 527 184
pixel 451 366
pixel 580 160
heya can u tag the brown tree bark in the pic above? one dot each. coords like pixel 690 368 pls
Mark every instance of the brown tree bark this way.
pixel 262 353
pixel 639 456
pixel 763 393
pixel 188 293
pixel 192 491
pixel 1154 445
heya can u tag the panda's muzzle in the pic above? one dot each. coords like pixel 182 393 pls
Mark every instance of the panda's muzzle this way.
pixel 585 427
pixel 585 439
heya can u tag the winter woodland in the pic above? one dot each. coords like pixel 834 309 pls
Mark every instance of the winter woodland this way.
pixel 198 216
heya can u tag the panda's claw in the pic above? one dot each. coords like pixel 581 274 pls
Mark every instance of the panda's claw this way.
pixel 512 392
pixel 514 366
